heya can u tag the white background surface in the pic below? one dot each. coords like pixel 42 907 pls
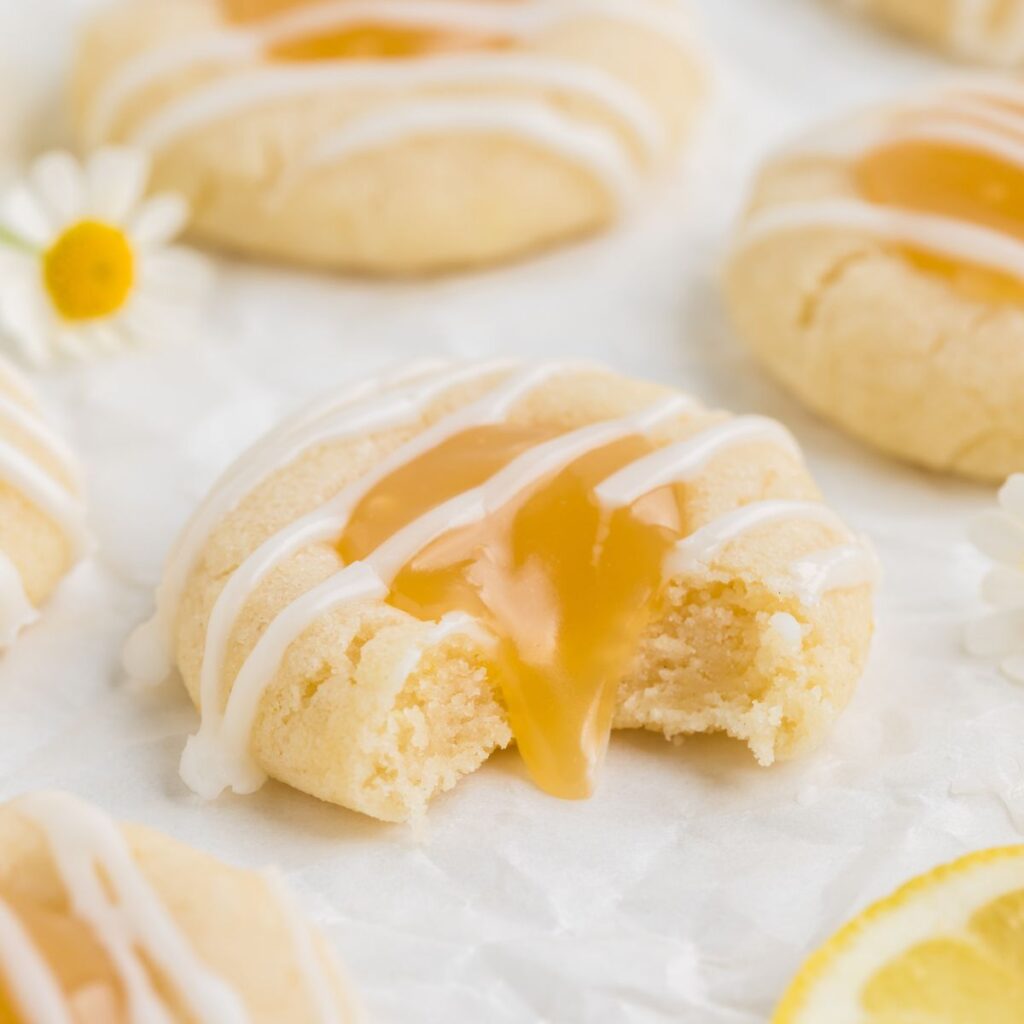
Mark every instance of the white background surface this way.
pixel 691 885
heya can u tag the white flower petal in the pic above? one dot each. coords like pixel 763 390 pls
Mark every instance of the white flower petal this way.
pixel 997 635
pixel 159 220
pixel 59 186
pixel 175 274
pixel 23 215
pixel 1004 587
pixel 1011 495
pixel 116 179
pixel 1014 667
pixel 72 342
pixel 1000 536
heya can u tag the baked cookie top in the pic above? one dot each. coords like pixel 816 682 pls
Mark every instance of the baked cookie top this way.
pixel 43 529
pixel 107 925
pixel 528 521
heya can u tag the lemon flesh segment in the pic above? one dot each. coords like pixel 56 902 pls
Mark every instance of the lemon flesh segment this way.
pixel 947 948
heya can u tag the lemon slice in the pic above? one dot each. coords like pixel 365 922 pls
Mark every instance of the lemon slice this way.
pixel 946 948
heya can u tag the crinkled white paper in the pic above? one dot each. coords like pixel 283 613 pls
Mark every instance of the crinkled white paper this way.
pixel 690 887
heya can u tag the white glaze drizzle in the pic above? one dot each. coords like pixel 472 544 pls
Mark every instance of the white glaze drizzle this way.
pixel 107 890
pixel 591 147
pixel 52 490
pixel 957 117
pixel 694 554
pixel 943 235
pixel 676 463
pixel 26 974
pixel 240 49
pixel 309 958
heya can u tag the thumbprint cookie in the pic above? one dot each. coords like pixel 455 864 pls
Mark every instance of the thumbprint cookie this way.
pixel 879 274
pixel 393 136
pixel 104 924
pixel 429 567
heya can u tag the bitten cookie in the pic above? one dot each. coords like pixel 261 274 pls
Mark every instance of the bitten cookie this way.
pixel 393 137
pixel 101 924
pixel 879 273
pixel 422 570
pixel 990 31
pixel 42 519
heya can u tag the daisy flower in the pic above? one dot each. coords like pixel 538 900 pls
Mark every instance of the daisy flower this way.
pixel 1000 535
pixel 86 262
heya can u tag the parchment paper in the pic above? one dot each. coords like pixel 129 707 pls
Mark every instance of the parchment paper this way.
pixel 691 886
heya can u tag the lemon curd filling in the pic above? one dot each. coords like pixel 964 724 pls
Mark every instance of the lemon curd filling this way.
pixel 354 42
pixel 564 585
pixel 89 271
pixel 950 181
pixel 78 963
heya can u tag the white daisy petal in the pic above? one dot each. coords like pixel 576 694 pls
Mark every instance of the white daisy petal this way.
pixel 1004 587
pixel 1013 667
pixel 1011 495
pixel 159 220
pixel 175 273
pixel 997 635
pixel 22 214
pixel 71 342
pixel 59 186
pixel 115 182
pixel 1000 536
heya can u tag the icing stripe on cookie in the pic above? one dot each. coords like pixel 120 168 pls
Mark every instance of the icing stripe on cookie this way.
pixel 37 994
pixel 682 461
pixel 107 890
pixel 953 238
pixel 308 955
pixel 592 148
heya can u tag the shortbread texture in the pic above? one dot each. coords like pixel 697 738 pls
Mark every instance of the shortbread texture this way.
pixel 38 548
pixel 344 720
pixel 431 202
pixel 229 916
pixel 895 355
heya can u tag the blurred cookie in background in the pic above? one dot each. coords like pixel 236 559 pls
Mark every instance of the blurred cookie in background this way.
pixel 879 274
pixel 393 137
pixel 988 31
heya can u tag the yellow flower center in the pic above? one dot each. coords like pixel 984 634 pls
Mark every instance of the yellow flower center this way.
pixel 89 270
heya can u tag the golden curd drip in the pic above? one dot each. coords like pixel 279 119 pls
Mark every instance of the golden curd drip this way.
pixel 354 42
pixel 566 586
pixel 950 181
pixel 77 961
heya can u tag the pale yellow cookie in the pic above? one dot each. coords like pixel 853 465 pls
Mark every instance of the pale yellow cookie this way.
pixel 989 31
pixel 607 552
pixel 393 137
pixel 98 919
pixel 42 519
pixel 878 273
